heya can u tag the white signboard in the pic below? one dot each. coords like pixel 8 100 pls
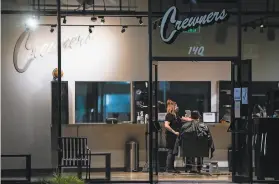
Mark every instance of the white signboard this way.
pixel 162 116
pixel 237 94
pixel 209 117
pixel 244 95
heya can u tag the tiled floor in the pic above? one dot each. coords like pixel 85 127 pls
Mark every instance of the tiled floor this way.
pixel 163 177
pixel 120 176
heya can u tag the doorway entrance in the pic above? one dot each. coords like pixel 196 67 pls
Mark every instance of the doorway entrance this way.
pixel 241 160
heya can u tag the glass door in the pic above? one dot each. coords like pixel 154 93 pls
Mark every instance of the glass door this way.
pixel 241 123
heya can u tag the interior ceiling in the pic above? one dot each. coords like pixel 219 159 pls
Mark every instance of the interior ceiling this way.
pixel 161 5
pixel 157 6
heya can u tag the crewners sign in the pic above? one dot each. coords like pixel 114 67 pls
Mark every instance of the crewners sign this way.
pixel 171 17
pixel 34 52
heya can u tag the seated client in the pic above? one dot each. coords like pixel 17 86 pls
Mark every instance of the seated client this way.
pixel 196 142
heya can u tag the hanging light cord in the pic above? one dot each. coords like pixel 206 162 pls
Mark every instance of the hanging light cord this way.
pixel 104 5
pixel 67 7
pixel 93 7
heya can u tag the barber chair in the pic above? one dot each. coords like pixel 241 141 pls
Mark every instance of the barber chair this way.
pixel 195 147
pixel 226 117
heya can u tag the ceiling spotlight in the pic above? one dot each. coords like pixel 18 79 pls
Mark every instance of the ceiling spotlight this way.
pixel 90 29
pixel 140 20
pixel 123 29
pixel 102 20
pixel 64 20
pixel 52 29
pixel 32 23
pixel 93 19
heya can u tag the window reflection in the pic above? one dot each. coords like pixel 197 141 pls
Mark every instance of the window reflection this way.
pixel 98 101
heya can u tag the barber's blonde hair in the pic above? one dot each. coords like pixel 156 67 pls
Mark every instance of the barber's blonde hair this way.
pixel 171 107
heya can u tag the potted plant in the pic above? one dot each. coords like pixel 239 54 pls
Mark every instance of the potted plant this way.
pixel 59 179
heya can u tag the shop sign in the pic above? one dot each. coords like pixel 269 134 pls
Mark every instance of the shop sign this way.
pixel 34 52
pixel 171 17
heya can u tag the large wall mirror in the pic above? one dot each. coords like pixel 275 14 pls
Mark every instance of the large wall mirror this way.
pixel 96 102
pixel 190 95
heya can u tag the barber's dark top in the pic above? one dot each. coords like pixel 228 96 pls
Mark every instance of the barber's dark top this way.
pixel 175 124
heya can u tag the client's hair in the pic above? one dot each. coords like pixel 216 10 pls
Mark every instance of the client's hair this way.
pixel 195 115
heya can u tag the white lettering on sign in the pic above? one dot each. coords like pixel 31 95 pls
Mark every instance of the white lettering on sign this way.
pixel 199 50
pixel 34 52
pixel 171 16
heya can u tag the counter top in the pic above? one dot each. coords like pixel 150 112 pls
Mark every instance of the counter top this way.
pixel 132 124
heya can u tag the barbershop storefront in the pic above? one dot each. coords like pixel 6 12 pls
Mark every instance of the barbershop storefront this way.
pixel 115 73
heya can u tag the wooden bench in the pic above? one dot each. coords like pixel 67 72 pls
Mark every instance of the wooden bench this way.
pixel 75 153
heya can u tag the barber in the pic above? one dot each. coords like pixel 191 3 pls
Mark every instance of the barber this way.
pixel 172 125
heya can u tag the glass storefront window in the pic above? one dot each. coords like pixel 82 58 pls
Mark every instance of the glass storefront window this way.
pixel 99 101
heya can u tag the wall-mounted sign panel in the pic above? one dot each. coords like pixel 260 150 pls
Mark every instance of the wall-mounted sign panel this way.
pixel 244 95
pixel 237 94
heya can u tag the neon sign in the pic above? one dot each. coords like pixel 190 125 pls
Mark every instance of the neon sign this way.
pixel 171 16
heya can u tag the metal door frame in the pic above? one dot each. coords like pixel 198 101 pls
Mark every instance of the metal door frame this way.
pixel 238 82
pixel 153 134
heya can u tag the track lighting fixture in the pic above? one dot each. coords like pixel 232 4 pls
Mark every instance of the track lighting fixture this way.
pixel 159 23
pixel 262 24
pixel 90 29
pixel 140 20
pixel 254 26
pixel 94 19
pixel 155 25
pixel 52 28
pixel 261 29
pixel 102 20
pixel 64 20
pixel 124 29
